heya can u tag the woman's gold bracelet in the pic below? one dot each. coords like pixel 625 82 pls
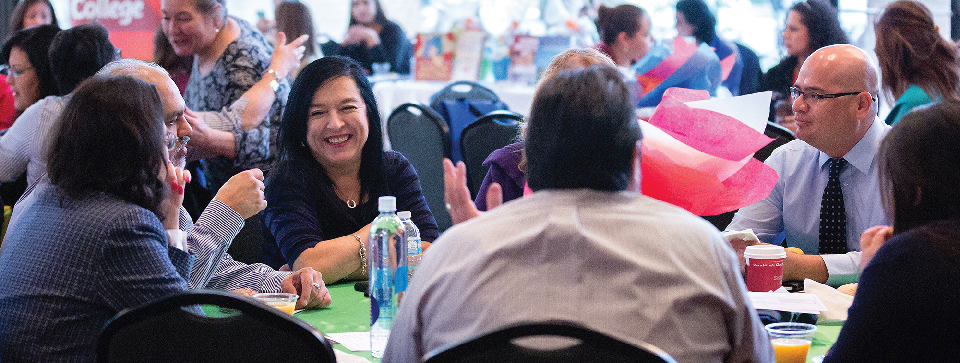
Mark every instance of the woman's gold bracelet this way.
pixel 363 255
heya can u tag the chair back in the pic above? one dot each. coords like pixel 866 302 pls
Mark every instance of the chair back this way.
pixel 489 133
pixel 462 89
pixel 460 104
pixel 422 136
pixel 167 331
pixel 591 346
pixel 780 135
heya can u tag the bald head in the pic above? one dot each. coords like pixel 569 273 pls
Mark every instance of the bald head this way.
pixel 848 65
pixel 846 79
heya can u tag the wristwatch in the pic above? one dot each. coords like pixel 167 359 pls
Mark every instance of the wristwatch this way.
pixel 275 84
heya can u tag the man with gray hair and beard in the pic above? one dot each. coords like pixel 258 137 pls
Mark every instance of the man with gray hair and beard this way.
pixel 240 198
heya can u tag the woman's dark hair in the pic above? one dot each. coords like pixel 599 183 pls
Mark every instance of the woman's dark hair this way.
pixel 109 138
pixel 919 164
pixel 698 14
pixel 35 41
pixel 296 156
pixel 20 11
pixel 582 131
pixel 78 53
pixel 165 56
pixel 380 18
pixel 823 25
pixel 293 19
pixel 620 19
pixel 911 51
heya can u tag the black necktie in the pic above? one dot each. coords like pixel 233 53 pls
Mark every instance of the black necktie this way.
pixel 833 216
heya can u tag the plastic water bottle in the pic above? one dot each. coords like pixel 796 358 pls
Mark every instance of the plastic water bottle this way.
pixel 388 272
pixel 414 250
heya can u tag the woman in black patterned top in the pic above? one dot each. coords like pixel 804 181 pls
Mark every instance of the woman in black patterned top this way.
pixel 372 38
pixel 230 55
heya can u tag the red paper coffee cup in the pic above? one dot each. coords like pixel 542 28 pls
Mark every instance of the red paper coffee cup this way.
pixel 764 267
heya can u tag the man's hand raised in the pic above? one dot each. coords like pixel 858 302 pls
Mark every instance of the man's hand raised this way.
pixel 244 193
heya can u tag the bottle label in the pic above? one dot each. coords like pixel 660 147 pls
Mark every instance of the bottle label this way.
pixel 400 279
pixel 413 246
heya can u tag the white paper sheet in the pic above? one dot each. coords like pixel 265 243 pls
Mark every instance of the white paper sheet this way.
pixel 355 342
pixel 344 357
pixel 795 302
pixel 837 302
pixel 752 109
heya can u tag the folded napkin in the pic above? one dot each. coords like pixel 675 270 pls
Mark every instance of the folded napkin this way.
pixel 836 302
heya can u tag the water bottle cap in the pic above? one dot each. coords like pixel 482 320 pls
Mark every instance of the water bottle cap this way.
pixel 387 204
pixel 404 214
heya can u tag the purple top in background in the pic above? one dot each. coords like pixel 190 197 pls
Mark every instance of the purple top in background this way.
pixel 505 170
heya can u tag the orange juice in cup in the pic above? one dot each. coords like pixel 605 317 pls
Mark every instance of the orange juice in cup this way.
pixel 282 301
pixel 790 350
pixel 791 341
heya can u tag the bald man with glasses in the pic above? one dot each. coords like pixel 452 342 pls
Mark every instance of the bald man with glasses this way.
pixel 828 192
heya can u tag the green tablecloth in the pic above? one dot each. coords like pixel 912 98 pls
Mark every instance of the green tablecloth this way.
pixel 350 312
pixel 823 339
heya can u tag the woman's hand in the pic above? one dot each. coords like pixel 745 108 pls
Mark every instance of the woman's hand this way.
pixel 286 57
pixel 457 195
pixel 870 242
pixel 359 34
pixel 176 179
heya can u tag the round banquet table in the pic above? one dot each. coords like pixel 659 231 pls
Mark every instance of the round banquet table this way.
pixel 350 312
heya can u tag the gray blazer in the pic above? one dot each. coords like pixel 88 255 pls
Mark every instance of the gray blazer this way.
pixel 68 265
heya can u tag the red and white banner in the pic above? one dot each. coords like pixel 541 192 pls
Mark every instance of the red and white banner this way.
pixel 131 22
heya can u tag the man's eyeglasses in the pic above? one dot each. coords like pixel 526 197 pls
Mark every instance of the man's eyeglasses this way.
pixel 796 93
pixel 7 70
pixel 172 142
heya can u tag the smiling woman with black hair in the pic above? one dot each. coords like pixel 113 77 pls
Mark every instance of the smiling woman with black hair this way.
pixel 332 168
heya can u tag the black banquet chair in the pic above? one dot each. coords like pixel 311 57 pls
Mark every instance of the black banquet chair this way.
pixel 249 331
pixel 462 90
pixel 422 136
pixel 780 135
pixel 484 136
pixel 460 104
pixel 589 346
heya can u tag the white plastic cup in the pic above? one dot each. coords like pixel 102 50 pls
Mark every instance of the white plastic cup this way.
pixel 791 341
pixel 282 301
pixel 764 266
